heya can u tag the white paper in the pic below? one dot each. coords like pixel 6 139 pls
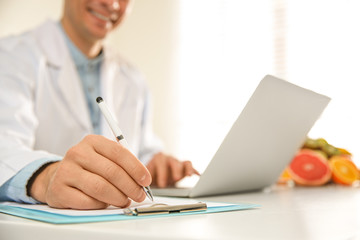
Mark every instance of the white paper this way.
pixel 111 209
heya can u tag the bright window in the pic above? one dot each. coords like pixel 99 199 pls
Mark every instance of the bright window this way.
pixel 227 46
pixel 324 55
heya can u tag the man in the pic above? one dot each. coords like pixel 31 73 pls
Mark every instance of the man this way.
pixel 50 78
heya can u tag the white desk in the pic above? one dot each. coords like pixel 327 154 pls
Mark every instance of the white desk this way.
pixel 331 212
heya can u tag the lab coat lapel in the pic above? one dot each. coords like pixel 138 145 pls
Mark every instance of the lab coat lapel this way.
pixel 71 88
pixel 65 73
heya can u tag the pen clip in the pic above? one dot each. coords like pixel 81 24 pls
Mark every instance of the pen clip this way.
pixel 165 209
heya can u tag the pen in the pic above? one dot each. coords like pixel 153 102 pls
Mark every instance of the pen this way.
pixel 118 134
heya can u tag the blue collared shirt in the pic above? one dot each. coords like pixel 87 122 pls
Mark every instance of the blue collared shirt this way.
pixel 89 73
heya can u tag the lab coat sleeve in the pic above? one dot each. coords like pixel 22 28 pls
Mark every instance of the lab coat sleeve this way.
pixel 18 122
pixel 150 143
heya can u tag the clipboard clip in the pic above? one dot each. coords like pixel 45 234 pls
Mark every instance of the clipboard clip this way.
pixel 165 209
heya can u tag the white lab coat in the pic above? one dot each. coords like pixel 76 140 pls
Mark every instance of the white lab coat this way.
pixel 43 109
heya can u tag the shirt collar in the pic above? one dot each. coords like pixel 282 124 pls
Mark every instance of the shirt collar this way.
pixel 80 59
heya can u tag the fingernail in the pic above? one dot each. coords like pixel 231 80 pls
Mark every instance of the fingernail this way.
pixel 144 179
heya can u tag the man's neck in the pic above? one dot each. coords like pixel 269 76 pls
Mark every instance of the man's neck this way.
pixel 90 48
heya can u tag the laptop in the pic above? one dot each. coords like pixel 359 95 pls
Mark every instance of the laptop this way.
pixel 261 143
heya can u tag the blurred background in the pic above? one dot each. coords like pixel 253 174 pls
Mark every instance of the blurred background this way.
pixel 204 58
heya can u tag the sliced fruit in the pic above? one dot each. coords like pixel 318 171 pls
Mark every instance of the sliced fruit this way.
pixel 322 154
pixel 321 142
pixel 330 150
pixel 284 177
pixel 309 168
pixel 344 171
pixel 344 151
pixel 311 143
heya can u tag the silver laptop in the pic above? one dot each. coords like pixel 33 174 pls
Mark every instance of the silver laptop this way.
pixel 261 143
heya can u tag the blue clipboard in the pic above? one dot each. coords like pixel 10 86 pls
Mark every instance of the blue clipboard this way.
pixel 56 218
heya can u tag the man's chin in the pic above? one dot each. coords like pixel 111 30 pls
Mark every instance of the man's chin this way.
pixel 99 34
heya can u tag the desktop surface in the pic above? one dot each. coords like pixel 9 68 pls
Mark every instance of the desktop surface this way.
pixel 327 212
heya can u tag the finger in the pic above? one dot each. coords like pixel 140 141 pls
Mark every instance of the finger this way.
pixel 122 181
pixel 68 197
pixel 73 175
pixel 151 168
pixel 122 157
pixel 176 168
pixel 196 172
pixel 114 174
pixel 188 169
pixel 60 194
pixel 98 188
pixel 161 169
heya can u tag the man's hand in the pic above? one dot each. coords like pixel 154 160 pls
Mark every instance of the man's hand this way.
pixel 166 170
pixel 95 173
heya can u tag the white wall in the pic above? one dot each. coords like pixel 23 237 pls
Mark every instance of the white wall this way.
pixel 17 15
pixel 148 38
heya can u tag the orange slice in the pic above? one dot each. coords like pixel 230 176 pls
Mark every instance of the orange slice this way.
pixel 344 171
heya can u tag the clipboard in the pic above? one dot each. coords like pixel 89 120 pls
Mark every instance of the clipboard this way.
pixel 165 209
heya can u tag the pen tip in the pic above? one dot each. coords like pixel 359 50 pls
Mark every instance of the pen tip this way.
pixel 99 99
pixel 148 193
